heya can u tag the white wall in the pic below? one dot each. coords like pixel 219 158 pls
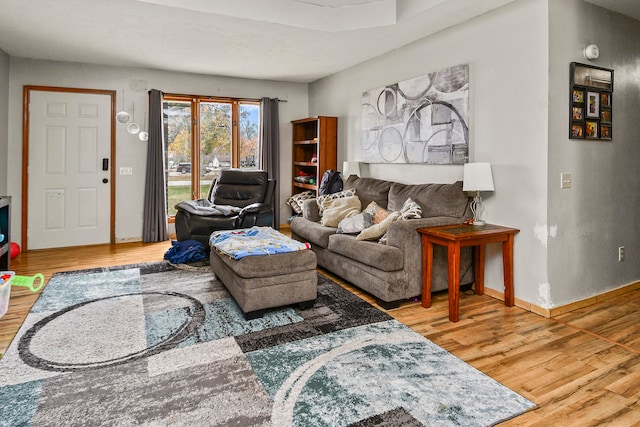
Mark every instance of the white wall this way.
pixel 519 57
pixel 507 53
pixel 130 151
pixel 600 212
pixel 4 105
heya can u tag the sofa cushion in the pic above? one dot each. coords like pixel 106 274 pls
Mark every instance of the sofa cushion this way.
pixel 312 232
pixel 382 257
pixel 370 190
pixel 334 210
pixel 434 199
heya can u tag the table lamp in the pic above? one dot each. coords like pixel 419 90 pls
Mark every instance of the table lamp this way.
pixel 350 168
pixel 477 177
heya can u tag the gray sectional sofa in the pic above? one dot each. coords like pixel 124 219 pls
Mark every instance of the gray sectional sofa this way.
pixel 391 272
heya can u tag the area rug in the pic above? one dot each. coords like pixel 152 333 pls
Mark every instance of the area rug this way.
pixel 157 344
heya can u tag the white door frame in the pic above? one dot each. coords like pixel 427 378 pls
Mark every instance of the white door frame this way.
pixel 26 97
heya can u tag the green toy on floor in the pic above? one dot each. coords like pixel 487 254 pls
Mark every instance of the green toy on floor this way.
pixel 29 282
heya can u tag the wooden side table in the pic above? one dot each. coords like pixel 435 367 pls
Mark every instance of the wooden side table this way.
pixel 455 237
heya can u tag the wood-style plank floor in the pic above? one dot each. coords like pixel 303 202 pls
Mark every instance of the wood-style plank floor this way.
pixel 581 368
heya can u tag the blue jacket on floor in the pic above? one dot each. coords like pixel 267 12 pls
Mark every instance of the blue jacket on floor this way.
pixel 185 251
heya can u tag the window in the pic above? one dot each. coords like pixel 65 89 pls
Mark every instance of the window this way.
pixel 204 135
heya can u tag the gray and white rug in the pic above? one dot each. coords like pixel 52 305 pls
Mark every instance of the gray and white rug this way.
pixel 156 344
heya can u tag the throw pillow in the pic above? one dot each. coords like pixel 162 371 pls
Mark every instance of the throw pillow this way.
pixel 355 224
pixel 336 210
pixel 297 200
pixel 377 230
pixel 342 194
pixel 410 210
pixel 377 212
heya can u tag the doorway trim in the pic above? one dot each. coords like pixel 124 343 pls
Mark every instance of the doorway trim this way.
pixel 26 98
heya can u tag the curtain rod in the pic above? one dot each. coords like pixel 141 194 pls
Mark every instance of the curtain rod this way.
pixel 212 97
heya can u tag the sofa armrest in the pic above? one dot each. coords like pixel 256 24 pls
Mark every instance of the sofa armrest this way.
pixel 182 225
pixel 310 210
pixel 255 208
pixel 260 214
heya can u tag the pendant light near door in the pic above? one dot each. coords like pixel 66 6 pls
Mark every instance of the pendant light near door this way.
pixel 144 135
pixel 133 128
pixel 122 117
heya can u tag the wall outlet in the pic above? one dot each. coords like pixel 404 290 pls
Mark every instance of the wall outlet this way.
pixel 565 180
pixel 621 253
pixel 126 171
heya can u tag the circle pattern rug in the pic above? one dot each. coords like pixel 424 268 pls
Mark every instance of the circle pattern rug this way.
pixel 158 344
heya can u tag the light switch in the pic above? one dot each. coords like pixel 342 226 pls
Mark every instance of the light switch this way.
pixel 565 180
pixel 126 171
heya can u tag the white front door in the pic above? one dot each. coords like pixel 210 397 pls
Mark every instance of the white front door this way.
pixel 69 190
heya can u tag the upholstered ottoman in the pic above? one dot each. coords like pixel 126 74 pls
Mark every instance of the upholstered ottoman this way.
pixel 261 281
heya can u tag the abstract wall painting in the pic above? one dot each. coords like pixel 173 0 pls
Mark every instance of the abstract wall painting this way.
pixel 423 120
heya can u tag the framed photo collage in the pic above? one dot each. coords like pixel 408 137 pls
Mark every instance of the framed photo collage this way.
pixel 590 113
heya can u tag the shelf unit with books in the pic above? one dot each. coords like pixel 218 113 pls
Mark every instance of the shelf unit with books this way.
pixel 315 150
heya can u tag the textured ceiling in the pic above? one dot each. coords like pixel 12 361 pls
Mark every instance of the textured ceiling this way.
pixel 285 40
pixel 240 38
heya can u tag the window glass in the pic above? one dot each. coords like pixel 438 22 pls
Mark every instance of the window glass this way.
pixel 249 136
pixel 178 149
pixel 204 135
pixel 215 139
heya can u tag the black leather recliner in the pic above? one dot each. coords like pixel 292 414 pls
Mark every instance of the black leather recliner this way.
pixel 251 191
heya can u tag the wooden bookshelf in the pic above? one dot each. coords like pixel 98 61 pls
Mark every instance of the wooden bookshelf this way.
pixel 313 138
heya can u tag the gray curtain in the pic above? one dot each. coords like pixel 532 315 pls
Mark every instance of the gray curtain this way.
pixel 271 149
pixel 154 223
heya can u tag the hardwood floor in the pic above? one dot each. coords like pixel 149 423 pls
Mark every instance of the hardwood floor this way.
pixel 580 368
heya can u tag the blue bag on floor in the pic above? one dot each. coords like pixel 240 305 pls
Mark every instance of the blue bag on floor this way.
pixel 185 251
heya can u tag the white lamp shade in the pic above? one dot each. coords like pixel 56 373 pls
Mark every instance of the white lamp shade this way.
pixel 477 177
pixel 350 168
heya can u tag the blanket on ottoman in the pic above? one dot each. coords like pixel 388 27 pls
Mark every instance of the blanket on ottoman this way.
pixel 253 241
